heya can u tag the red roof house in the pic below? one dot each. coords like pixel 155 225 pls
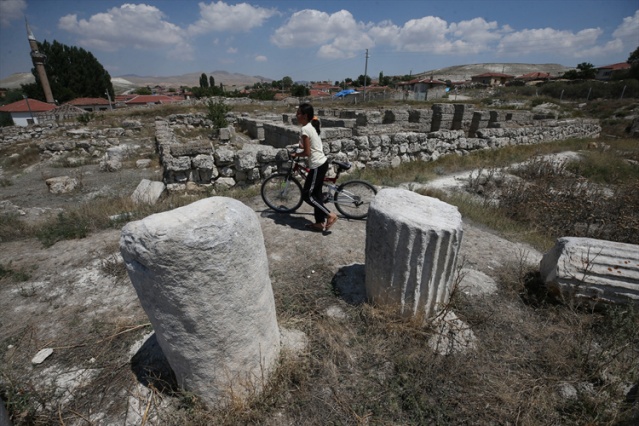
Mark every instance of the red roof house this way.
pixel 26 111
pixel 91 104
pixel 608 71
pixel 150 100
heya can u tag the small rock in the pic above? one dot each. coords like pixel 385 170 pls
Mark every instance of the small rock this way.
pixel 41 356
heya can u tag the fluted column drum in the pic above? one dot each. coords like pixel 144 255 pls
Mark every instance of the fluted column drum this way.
pixel 412 243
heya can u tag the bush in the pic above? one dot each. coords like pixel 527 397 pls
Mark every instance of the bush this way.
pixel 217 113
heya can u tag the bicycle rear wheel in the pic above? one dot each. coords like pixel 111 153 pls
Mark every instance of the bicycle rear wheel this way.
pixel 282 193
pixel 353 198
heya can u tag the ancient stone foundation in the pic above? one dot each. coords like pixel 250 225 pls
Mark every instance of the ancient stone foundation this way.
pixel 412 243
pixel 201 274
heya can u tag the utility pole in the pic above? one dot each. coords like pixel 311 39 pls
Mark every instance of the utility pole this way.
pixel 109 96
pixel 365 71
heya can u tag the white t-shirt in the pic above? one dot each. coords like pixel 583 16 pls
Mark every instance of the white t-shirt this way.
pixel 317 157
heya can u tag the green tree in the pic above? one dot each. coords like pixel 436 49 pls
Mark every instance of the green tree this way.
pixel 204 82
pixel 299 90
pixel 362 82
pixel 633 60
pixel 142 91
pixel 211 81
pixel 72 72
pixel 287 82
pixel 586 70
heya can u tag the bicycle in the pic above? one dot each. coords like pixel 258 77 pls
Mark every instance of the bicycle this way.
pixel 282 191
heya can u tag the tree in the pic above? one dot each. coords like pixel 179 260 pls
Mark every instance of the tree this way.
pixel 361 82
pixel 72 73
pixel 300 90
pixel 204 81
pixel 286 82
pixel 211 81
pixel 586 70
pixel 142 91
pixel 633 60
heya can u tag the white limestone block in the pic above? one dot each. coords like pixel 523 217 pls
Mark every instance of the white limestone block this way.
pixel 588 270
pixel 148 192
pixel 201 274
pixel 412 242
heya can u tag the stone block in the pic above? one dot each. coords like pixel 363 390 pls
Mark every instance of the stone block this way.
pixel 201 274
pixel 148 192
pixel 587 270
pixel 412 242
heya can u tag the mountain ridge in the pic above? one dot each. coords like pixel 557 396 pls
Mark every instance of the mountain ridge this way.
pixel 237 80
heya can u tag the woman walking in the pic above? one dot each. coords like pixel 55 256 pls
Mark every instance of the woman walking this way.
pixel 312 149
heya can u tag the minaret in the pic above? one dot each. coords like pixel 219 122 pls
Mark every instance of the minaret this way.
pixel 38 59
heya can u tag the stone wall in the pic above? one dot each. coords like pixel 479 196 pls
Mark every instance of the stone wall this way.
pixel 367 138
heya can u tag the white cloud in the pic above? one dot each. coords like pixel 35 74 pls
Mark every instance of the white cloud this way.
pixel 218 17
pixel 628 33
pixel 131 25
pixel 260 58
pixel 11 10
pixel 231 50
pixel 548 40
pixel 338 35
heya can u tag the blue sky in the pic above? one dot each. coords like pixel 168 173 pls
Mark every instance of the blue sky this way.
pixel 321 39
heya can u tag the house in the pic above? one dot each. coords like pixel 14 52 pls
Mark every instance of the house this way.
pixel 25 112
pixel 423 89
pixel 91 104
pixel 325 87
pixel 150 100
pixel 607 72
pixel 491 78
pixel 65 113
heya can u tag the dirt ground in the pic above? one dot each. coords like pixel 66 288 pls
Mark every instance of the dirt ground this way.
pixel 77 301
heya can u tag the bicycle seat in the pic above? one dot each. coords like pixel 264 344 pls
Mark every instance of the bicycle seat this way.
pixel 341 166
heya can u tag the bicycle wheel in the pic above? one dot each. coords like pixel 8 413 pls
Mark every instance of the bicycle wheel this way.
pixel 282 193
pixel 353 198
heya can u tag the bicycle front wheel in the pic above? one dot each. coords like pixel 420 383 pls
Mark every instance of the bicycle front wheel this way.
pixel 353 198
pixel 282 193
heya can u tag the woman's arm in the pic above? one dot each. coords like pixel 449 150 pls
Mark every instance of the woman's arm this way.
pixel 306 147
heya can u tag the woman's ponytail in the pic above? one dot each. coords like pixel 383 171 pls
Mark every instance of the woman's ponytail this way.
pixel 309 112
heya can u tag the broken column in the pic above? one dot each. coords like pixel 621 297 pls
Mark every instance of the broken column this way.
pixel 201 274
pixel 412 242
pixel 591 271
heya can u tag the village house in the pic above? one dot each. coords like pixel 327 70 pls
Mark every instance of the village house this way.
pixel 492 79
pixel 91 104
pixel 151 100
pixel 423 89
pixel 25 111
pixel 607 72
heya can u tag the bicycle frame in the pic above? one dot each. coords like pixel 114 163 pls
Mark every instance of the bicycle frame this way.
pixel 330 183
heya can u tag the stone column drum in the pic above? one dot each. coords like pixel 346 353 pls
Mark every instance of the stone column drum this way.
pixel 412 242
pixel 201 274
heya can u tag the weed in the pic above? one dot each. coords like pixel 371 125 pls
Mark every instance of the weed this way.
pixel 68 226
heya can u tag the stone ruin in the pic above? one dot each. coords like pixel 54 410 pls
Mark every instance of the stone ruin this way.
pixel 412 242
pixel 587 271
pixel 367 138
pixel 201 274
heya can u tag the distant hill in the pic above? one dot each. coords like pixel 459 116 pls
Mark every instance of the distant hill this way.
pixel 126 82
pixel 15 80
pixel 235 80
pixel 229 80
pixel 465 72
